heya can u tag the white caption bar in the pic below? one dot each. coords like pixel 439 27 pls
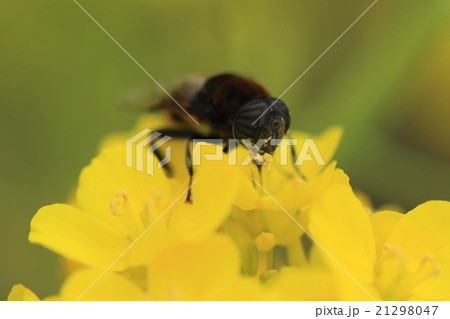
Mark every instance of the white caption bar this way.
pixel 217 309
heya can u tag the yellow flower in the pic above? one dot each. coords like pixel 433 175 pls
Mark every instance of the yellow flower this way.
pixel 390 256
pixel 283 181
pixel 132 236
pixel 263 199
pixel 173 243
pixel 116 204
pixel 413 257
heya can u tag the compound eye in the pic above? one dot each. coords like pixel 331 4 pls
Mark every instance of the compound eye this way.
pixel 243 129
pixel 247 123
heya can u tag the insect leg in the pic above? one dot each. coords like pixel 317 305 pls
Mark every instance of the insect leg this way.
pixel 167 168
pixel 226 148
pixel 175 134
pixel 189 168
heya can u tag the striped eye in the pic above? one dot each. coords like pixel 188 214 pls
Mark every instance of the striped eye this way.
pixel 254 119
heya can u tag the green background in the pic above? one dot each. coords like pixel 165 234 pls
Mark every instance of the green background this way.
pixel 62 79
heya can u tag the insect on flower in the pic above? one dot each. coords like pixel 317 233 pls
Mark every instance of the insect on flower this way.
pixel 226 106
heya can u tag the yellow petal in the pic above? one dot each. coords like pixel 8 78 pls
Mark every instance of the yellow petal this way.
pixel 341 225
pixel 194 271
pixel 22 293
pixel 292 199
pixel 248 196
pixel 326 143
pixel 346 288
pixel 296 194
pixel 213 191
pixel 382 223
pixel 108 174
pixel 156 124
pixel 212 198
pixel 77 235
pixel 423 236
pixel 110 287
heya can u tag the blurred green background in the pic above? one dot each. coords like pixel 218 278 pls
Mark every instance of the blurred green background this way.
pixel 61 80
